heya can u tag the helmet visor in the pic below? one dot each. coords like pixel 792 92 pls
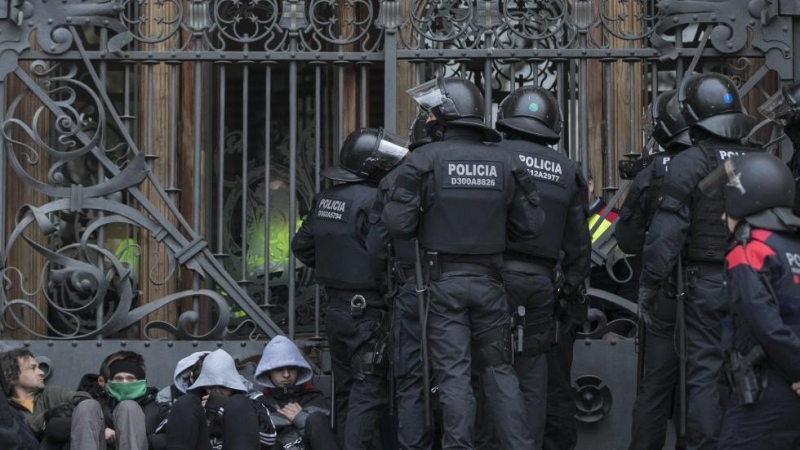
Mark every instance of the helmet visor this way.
pixel 390 150
pixel 777 109
pixel 428 95
pixel 723 176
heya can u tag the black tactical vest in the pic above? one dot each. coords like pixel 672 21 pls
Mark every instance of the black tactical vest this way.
pixel 472 188
pixel 554 175
pixel 658 170
pixel 708 234
pixel 342 259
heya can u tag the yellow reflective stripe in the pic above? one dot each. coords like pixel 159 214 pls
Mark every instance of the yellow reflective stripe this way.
pixel 600 229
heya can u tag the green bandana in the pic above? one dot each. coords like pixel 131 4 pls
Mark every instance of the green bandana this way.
pixel 126 391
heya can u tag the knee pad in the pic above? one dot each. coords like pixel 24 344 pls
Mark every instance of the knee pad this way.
pixel 493 348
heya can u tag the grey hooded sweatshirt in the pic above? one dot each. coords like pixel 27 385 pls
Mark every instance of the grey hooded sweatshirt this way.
pixel 281 352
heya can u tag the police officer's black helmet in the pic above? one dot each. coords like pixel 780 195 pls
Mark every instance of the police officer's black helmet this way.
pixel 669 128
pixel 531 110
pixel 758 189
pixel 418 135
pixel 367 154
pixel 710 101
pixel 454 101
pixel 784 106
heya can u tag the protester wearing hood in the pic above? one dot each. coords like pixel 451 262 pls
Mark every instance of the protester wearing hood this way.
pixel 216 412
pixel 181 379
pixel 129 407
pixel 299 411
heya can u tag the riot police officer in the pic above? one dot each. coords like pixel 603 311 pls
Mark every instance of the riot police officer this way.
pixel 531 120
pixel 687 221
pixel 460 197
pixel 413 433
pixel 783 109
pixel 763 286
pixel 346 249
pixel 659 375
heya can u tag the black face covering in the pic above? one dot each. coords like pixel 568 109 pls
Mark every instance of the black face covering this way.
pixel 434 130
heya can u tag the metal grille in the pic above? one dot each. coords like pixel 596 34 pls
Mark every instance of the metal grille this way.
pixel 159 155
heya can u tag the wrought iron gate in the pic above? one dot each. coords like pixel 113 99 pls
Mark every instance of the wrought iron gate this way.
pixel 159 155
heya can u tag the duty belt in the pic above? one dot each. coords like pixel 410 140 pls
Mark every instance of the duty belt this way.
pixel 528 267
pixel 472 268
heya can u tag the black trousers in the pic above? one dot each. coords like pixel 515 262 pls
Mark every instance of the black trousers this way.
pixel 413 434
pixel 535 293
pixel 658 387
pixel 360 402
pixel 187 428
pixel 463 308
pixel 560 432
pixel 318 433
pixel 705 307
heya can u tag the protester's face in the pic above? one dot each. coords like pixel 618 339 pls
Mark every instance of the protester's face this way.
pixel 31 377
pixel 590 185
pixel 283 376
pixel 124 377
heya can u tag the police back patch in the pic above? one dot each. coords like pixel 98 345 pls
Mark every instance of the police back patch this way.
pixel 662 165
pixel 473 174
pixel 543 169
pixel 722 154
pixel 331 208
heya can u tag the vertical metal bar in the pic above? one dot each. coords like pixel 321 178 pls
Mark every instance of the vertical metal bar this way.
pixel 607 109
pixel 512 75
pixel 267 176
pixel 293 183
pixel 100 176
pixel 390 81
pixel 340 117
pixel 173 135
pixel 487 91
pixel 583 120
pixel 362 114
pixel 220 224
pixel 562 103
pixel 3 186
pixel 197 103
pixel 245 166
pixel 317 158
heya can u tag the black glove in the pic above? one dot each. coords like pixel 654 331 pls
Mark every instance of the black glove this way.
pixel 792 131
pixel 648 300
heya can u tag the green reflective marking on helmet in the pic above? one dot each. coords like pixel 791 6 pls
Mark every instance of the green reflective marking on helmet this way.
pixel 533 107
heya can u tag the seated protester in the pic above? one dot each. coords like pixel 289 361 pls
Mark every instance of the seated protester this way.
pixel 129 407
pixel 298 411
pixel 15 434
pixel 181 379
pixel 216 412
pixel 60 418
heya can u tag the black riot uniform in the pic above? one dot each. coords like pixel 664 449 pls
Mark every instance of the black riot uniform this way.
pixel 460 197
pixel 531 120
pixel 347 251
pixel 660 375
pixel 763 285
pixel 688 221
pixel 412 433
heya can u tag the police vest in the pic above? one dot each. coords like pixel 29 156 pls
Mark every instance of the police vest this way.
pixel 342 260
pixel 658 170
pixel 472 184
pixel 708 234
pixel 554 175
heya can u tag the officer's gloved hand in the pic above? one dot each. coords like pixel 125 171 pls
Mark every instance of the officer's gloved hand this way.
pixel 648 299
pixel 792 131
